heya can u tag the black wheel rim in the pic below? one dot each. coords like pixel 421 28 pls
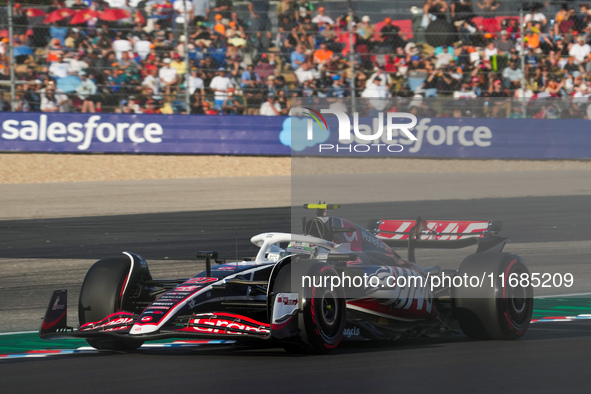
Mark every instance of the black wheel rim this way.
pixel 328 311
pixel 518 302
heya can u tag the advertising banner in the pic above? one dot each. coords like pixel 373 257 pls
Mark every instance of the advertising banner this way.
pixel 438 137
pixel 122 133
pixel 262 135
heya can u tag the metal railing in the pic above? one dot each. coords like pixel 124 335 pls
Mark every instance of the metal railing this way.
pixel 113 88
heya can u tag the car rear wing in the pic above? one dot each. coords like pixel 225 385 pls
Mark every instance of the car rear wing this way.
pixel 439 234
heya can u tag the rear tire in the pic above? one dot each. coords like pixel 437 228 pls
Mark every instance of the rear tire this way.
pixel 501 311
pixel 106 290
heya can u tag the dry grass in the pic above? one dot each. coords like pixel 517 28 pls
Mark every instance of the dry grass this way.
pixel 45 168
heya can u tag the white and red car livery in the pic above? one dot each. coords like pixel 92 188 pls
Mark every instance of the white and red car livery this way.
pixel 287 293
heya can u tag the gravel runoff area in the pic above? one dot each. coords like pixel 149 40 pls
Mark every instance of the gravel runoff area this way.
pixel 18 168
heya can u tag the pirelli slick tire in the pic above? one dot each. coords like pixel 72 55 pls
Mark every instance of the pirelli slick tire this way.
pixel 107 289
pixel 322 321
pixel 499 309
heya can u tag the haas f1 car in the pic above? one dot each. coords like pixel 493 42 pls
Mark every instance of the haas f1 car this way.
pixel 309 292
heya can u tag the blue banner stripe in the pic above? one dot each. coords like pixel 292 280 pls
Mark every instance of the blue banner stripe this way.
pixel 277 135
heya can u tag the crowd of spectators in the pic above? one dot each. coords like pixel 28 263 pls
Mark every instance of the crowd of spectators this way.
pixel 252 58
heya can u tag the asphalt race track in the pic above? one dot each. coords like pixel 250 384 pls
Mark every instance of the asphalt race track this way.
pixel 552 357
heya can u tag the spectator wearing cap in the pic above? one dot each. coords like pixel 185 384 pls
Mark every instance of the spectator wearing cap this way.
pixel 444 57
pixel 234 103
pixel 322 17
pixel 375 89
pixel 151 107
pixel 366 30
pixel 224 8
pixel 219 25
pixel 59 68
pixel 86 91
pixel 220 85
pixel 465 91
pixel 123 108
pixel 385 78
pixel 271 107
pixel 504 43
pixel 416 64
pixel 179 64
pixel 168 76
pixel 337 89
pixel 72 37
pixel 496 89
pixel 265 66
pixel 270 85
pixel 390 35
pixel 580 50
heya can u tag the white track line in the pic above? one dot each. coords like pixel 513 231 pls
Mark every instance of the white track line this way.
pixel 563 295
pixel 18 332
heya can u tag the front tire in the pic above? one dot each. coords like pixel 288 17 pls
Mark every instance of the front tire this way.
pixel 108 288
pixel 323 316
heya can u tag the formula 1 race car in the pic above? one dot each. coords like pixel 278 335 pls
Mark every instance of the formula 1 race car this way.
pixel 308 292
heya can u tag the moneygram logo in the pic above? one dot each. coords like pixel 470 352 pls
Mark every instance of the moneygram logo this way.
pixel 345 127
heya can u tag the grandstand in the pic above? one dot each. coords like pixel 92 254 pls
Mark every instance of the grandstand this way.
pixel 486 58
